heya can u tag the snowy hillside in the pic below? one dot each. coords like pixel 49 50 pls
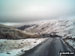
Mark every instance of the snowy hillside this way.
pixel 7 32
pixel 62 27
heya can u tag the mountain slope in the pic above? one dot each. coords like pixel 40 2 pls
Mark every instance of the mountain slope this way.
pixel 62 27
pixel 7 32
pixel 24 27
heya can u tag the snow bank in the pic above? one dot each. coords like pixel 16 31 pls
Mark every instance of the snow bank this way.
pixel 71 43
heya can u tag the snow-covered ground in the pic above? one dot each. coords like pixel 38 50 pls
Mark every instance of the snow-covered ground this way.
pixel 17 47
pixel 71 43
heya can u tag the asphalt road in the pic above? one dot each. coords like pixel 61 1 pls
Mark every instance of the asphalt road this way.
pixel 50 47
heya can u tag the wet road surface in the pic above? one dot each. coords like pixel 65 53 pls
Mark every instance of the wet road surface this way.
pixel 50 47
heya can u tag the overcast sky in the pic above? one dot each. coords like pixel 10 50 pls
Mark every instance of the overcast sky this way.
pixel 35 10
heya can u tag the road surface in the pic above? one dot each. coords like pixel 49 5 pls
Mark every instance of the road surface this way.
pixel 50 47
